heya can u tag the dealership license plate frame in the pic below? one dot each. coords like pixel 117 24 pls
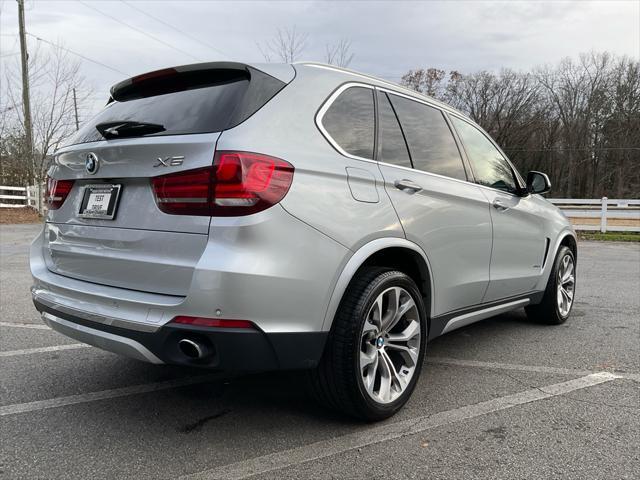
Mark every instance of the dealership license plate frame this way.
pixel 113 190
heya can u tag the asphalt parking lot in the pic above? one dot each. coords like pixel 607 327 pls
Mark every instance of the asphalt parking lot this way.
pixel 503 398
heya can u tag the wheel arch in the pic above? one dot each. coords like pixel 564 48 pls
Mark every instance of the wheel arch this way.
pixel 569 240
pixel 396 253
pixel 566 237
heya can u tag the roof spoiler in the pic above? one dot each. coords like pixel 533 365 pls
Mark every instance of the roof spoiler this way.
pixel 193 76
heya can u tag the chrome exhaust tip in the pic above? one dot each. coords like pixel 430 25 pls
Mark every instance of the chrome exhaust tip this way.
pixel 192 349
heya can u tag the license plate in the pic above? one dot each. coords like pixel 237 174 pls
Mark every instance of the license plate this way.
pixel 99 201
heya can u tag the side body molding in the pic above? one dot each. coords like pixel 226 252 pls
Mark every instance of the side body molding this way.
pixel 356 261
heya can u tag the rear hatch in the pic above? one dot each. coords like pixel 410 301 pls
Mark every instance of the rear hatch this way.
pixel 104 224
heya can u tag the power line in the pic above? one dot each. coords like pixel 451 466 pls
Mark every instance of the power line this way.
pixel 175 28
pixel 40 39
pixel 153 37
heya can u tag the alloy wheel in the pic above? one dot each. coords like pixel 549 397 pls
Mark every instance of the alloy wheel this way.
pixel 390 345
pixel 566 285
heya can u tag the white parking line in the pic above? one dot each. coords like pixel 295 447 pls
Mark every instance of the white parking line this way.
pixel 391 431
pixel 55 348
pixel 103 395
pixel 523 368
pixel 36 326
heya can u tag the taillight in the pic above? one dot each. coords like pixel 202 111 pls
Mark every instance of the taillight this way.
pixel 57 191
pixel 247 183
pixel 184 193
pixel 212 322
pixel 238 183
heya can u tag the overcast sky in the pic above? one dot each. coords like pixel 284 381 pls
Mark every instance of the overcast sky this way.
pixel 388 38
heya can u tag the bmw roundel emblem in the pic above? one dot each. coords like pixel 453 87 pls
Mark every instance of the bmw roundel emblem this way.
pixel 91 163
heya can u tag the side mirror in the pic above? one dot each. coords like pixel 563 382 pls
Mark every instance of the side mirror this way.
pixel 538 182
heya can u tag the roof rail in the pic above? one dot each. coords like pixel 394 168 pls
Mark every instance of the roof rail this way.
pixel 380 80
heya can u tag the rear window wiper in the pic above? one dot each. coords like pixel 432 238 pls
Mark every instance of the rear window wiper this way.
pixel 128 128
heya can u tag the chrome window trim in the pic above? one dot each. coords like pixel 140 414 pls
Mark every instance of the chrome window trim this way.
pixel 437 175
pixel 327 104
pixel 329 101
pixel 426 101
pixel 413 95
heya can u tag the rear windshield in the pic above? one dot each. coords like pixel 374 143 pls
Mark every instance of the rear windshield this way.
pixel 190 105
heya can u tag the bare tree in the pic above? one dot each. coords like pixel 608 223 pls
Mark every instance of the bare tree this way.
pixel 339 54
pixel 53 77
pixel 577 93
pixel 577 120
pixel 621 130
pixel 428 81
pixel 286 46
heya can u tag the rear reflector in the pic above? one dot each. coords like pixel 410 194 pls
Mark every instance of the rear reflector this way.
pixel 57 191
pixel 212 322
pixel 238 183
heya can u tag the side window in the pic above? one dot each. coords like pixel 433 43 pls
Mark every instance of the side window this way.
pixel 350 120
pixel 391 145
pixel 490 167
pixel 431 143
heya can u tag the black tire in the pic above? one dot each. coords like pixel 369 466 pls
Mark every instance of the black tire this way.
pixel 548 311
pixel 337 382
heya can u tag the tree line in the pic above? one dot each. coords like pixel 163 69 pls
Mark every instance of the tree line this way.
pixel 578 121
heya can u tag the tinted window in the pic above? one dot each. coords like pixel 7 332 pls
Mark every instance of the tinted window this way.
pixel 489 166
pixel 391 145
pixel 350 121
pixel 431 143
pixel 194 102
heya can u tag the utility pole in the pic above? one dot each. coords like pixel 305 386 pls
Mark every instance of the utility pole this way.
pixel 75 109
pixel 24 57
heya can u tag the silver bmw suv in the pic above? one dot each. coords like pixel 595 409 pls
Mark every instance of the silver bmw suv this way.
pixel 260 217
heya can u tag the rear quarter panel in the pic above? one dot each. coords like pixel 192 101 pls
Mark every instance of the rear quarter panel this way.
pixel 320 194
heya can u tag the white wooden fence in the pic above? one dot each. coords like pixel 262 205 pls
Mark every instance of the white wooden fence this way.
pixel 601 214
pixel 20 197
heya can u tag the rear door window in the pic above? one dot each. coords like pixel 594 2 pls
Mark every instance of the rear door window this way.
pixel 392 147
pixel 431 144
pixel 350 121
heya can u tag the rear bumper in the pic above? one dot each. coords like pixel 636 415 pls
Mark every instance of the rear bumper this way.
pixel 105 340
pixel 255 268
pixel 233 350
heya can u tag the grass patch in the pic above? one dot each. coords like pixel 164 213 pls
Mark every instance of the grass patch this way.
pixel 610 236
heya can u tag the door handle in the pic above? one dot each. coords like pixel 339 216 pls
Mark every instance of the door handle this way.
pixel 407 186
pixel 499 205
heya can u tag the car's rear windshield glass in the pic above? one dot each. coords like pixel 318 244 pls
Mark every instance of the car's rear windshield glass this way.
pixel 224 101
